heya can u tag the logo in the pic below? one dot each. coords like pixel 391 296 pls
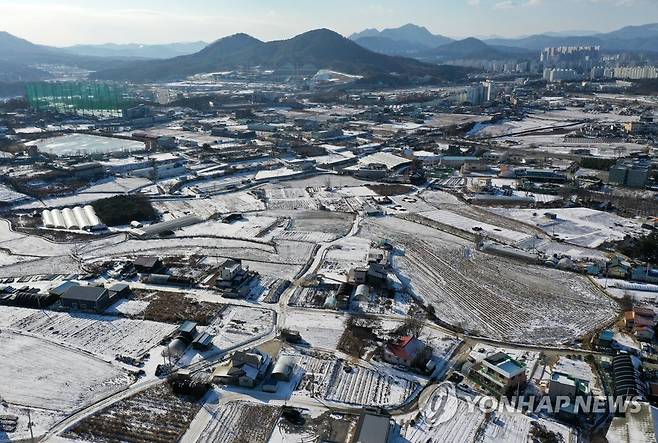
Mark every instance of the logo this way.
pixel 442 406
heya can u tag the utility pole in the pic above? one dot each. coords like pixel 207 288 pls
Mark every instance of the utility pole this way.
pixel 30 425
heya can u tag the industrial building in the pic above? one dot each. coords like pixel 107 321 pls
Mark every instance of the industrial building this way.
pixel 634 173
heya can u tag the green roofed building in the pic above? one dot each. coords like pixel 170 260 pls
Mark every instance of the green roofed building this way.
pixel 85 98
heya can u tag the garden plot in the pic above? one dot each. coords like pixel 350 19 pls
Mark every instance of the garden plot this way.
pixel 318 329
pixel 358 385
pixel 322 221
pixel 324 376
pixel 239 325
pixel 293 204
pixel 456 420
pixel 323 181
pixel 493 296
pixel 100 335
pixel 39 373
pixel 283 271
pixel 347 253
pixel 154 415
pixel 580 226
pixel 240 421
pixel 267 289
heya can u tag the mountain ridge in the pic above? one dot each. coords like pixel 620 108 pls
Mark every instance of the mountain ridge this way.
pixel 308 52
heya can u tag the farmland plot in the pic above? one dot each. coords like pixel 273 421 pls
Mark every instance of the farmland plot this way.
pixel 368 387
pixel 229 423
pixel 493 296
pixel 326 377
pixel 238 325
pixel 319 329
pixel 101 335
pixel 64 264
pixel 580 226
pixel 39 373
pixel 457 420
pixel 153 415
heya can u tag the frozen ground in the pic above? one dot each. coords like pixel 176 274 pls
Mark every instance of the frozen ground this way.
pixel 29 245
pixel 457 420
pixel 50 376
pixel 7 195
pixel 492 296
pixel 42 420
pixel 580 226
pixel 345 254
pixel 100 335
pixel 229 422
pixel 323 376
pixel 319 329
pixel 284 252
pixel 205 207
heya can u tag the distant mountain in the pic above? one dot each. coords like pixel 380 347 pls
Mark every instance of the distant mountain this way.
pixel 18 72
pixel 308 52
pixel 18 58
pixel 385 45
pixel 629 38
pixel 168 50
pixel 471 49
pixel 405 39
pixel 468 47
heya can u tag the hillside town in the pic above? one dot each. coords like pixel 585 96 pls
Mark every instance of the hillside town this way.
pixel 260 256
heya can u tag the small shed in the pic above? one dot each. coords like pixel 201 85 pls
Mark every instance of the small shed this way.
pixel 187 329
pixel 145 263
pixel 119 290
pixel 284 367
pixel 202 341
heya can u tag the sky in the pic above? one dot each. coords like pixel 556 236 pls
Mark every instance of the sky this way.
pixel 68 22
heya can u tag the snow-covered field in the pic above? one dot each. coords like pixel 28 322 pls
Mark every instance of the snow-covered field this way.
pixel 492 296
pixel 228 423
pixel 358 385
pixel 580 226
pixel 457 420
pixel 7 195
pixel 323 376
pixel 104 336
pixel 39 373
pixel 467 224
pixel 319 329
pixel 205 207
pixel 29 245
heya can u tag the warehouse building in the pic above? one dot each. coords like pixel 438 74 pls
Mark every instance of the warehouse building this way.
pixel 86 298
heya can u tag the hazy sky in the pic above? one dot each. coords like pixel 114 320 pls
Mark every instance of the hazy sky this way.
pixel 66 22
